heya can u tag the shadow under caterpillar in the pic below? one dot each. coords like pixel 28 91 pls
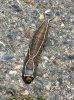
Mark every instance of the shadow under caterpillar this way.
pixel 31 61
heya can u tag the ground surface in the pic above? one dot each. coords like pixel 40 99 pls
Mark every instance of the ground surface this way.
pixel 18 21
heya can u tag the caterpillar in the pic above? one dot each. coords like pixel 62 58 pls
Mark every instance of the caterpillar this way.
pixel 31 61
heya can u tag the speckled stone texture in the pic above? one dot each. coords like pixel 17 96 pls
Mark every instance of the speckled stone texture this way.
pixel 18 21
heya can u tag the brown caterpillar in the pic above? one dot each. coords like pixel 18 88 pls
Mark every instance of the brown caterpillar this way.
pixel 31 61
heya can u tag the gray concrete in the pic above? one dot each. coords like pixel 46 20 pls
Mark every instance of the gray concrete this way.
pixel 18 21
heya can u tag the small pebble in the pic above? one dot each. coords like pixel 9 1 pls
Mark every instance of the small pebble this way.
pixel 1 42
pixel 33 26
pixel 14 18
pixel 45 58
pixel 25 93
pixel 45 75
pixel 62 25
pixel 47 87
pixel 57 84
pixel 41 17
pixel 18 37
pixel 17 67
pixel 52 57
pixel 57 62
pixel 13 72
pixel 47 11
pixel 56 18
pixel 20 29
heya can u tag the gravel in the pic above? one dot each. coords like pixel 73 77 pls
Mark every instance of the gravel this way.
pixel 18 21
